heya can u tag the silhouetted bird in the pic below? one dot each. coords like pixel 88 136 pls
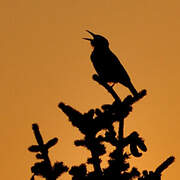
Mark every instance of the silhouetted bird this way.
pixel 107 64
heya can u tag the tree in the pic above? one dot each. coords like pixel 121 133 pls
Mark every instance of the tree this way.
pixel 90 124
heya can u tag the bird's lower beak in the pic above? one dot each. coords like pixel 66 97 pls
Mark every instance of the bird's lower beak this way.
pixel 88 39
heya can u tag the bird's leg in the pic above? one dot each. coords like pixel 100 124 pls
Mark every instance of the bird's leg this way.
pixel 107 87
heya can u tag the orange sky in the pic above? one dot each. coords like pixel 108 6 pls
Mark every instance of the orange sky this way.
pixel 43 60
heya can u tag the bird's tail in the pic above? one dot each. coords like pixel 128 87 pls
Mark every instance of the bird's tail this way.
pixel 132 89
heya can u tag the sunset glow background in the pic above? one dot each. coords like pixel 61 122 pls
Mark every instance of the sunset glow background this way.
pixel 43 61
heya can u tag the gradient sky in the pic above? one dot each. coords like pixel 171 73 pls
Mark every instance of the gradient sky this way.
pixel 43 60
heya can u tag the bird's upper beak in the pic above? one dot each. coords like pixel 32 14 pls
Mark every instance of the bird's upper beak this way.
pixel 93 35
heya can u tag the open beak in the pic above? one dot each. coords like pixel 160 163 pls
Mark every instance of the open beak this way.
pixel 93 35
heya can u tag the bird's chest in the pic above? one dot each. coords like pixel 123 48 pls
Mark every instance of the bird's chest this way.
pixel 102 63
pixel 99 59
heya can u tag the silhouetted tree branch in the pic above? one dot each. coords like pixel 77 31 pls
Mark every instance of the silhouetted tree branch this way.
pixel 156 175
pixel 44 168
pixel 90 124
pixel 95 120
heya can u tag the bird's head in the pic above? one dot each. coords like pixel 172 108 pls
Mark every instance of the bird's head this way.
pixel 98 40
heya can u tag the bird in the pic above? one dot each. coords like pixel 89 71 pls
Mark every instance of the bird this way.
pixel 107 65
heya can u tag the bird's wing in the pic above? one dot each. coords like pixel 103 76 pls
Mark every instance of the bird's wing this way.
pixel 118 71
